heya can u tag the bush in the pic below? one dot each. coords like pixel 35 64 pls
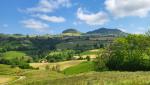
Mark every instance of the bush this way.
pixel 15 63
pixel 24 65
pixel 88 58
pixel 100 62
pixel 57 56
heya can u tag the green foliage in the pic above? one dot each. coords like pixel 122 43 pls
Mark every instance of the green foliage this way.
pixel 130 53
pixel 81 68
pixel 39 46
pixel 56 56
pixel 78 44
pixel 100 64
pixel 34 46
pixel 88 58
pixel 88 53
pixel 16 59
pixel 106 31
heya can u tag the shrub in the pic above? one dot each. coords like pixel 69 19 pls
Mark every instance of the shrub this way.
pixel 88 58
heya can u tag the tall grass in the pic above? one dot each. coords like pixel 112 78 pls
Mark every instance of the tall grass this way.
pixel 94 78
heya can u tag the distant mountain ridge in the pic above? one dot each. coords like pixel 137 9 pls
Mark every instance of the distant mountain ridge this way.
pixel 107 31
pixel 100 31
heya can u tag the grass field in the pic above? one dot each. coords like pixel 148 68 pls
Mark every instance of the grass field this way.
pixel 80 68
pixel 76 72
pixel 13 54
pixel 34 76
pixel 7 70
pixel 91 78
pixel 82 75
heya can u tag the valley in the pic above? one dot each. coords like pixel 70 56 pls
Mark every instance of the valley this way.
pixel 75 58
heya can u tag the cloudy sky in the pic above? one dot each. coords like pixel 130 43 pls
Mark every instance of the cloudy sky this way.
pixel 53 16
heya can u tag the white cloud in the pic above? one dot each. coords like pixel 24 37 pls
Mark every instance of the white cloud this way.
pixel 92 18
pixel 5 25
pixel 123 8
pixel 122 29
pixel 35 25
pixel 46 6
pixel 54 19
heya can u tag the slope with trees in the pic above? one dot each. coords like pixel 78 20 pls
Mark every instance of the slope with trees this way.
pixel 129 53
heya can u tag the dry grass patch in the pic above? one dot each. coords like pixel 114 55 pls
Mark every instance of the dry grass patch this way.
pixel 63 65
pixel 5 79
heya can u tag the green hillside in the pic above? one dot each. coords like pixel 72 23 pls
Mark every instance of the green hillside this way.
pixel 106 31
pixel 13 54
pixel 16 59
pixel 81 68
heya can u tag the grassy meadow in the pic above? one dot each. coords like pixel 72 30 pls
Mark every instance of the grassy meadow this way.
pixel 80 68
pixel 13 54
pixel 78 74
pixel 90 78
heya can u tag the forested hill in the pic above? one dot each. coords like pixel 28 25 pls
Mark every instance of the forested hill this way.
pixel 106 31
pixel 71 30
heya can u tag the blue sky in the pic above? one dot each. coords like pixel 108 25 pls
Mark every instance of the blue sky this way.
pixel 53 16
